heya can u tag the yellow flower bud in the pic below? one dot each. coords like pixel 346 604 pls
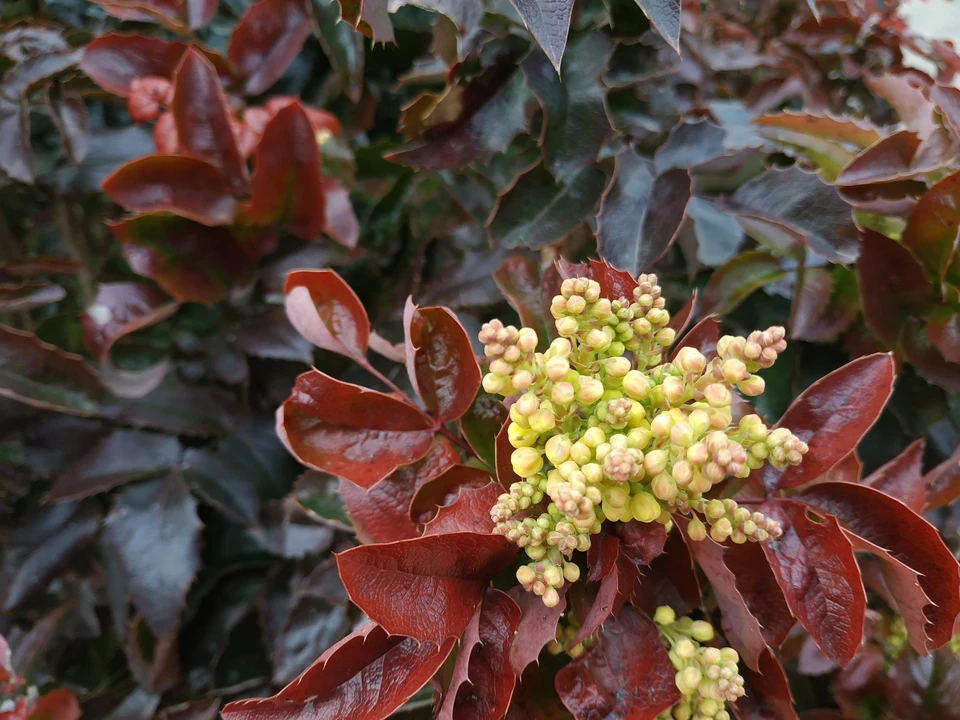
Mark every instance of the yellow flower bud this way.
pixel 664 487
pixel 690 360
pixel 590 391
pixel 494 384
pixel 685 649
pixel 717 395
pixel 553 576
pixel 594 437
pixel 661 426
pixel 617 367
pixel 700 422
pixel 527 404
pixel 655 462
pixel 560 347
pixel 527 340
pixel 644 507
pixel 592 472
pixel 567 326
pixel 599 340
pixel 543 421
pixel 681 434
pixel 701 631
pixel 526 575
pixel 636 385
pixel 697 530
pixel 522 380
pixel 664 615
pixel 521 437
pixel 571 572
pixel 673 390
pixel 580 453
pixel 526 462
pixel 563 393
pixel 551 598
pixel 557 449
pixel 557 367
pixel 752 386
pixel 665 337
pixel 688 680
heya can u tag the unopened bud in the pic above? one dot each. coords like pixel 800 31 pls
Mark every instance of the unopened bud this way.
pixel 594 437
pixel 655 462
pixel 522 380
pixel 580 453
pixel 551 598
pixel 666 336
pixel 685 649
pixel 701 631
pixel 590 391
pixel 688 680
pixel 527 404
pixel 673 390
pixel 526 462
pixel 598 340
pixel 557 367
pixel 690 360
pixel 664 615
pixel 571 572
pixel 543 421
pixel 521 437
pixel 616 367
pixel 557 449
pixel 527 340
pixel 493 384
pixel 553 576
pixel 567 326
pixel 717 395
pixel 682 434
pixel 752 386
pixel 636 385
pixel 563 393
pixel 526 575
pixel 664 487
pixel 697 530
pixel 644 507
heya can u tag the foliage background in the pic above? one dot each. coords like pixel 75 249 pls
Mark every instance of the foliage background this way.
pixel 161 551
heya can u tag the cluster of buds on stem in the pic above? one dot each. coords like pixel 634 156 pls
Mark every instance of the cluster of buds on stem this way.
pixel 605 427
pixel 707 677
pixel 567 630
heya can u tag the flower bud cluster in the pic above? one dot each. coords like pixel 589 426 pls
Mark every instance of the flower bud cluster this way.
pixel 707 677
pixel 566 633
pixel 603 428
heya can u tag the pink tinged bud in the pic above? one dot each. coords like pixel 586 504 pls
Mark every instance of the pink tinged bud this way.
pixel 664 487
pixel 617 367
pixel 493 384
pixel 723 345
pixel 598 340
pixel 527 340
pixel 594 437
pixel 636 385
pixel 717 395
pixel 682 434
pixel 522 380
pixel 592 291
pixel 682 473
pixel 697 530
pixel 557 367
pixel 558 449
pixel 567 326
pixel 526 462
pixel 512 354
pixel 526 575
pixel 734 370
pixel 602 309
pixel 576 305
pixel 500 367
pixel 568 287
pixel 655 462
pixel 543 421
pixel 551 597
pixel 698 453
pixel 553 576
pixel 665 337
pixel 527 404
pixel 673 390
pixel 690 360
pixel 563 393
pixel 590 391
pixel 580 453
pixel 661 426
pixel 752 386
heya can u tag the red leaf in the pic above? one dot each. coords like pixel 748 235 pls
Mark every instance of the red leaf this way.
pixel 56 705
pixel 616 586
pixel 818 573
pixel 483 679
pixel 931 232
pixel 890 525
pixel 943 482
pixel 199 12
pixel 443 489
pixel 760 590
pixel 164 12
pixel 440 361
pixel 114 61
pixel 426 588
pixel 181 185
pixel 320 120
pixel 120 309
pixel 626 675
pixel 537 627
pixel 350 431
pixel 148 95
pixel 287 185
pixel 670 580
pixel 703 336
pixel 192 262
pixel 680 320
pixel 340 221
pixel 519 280
pixel 768 692
pixel 202 119
pixel 739 625
pixel 165 135
pixel 266 40
pixel 832 415
pixel 614 283
pixel 347 681
pixel 326 311
pixel 469 512
pixel 902 478
pixel 641 543
pixel 943 329
pixel 382 513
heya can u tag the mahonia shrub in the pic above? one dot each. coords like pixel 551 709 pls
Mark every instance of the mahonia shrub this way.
pixel 599 437
pixel 671 539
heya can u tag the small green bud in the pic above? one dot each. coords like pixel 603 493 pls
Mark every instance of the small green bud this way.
pixel 664 615
pixel 685 649
pixel 701 631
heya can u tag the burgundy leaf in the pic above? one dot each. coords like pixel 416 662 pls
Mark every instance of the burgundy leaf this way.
pixel 120 309
pixel 56 705
pixel 758 585
pixel 681 320
pixel 202 119
pixel 819 576
pixel 931 232
pixel 549 23
pixel 626 675
pixel 181 185
pixel 943 329
pixel 943 482
pixel 832 415
pixel 199 12
pixel 350 431
pixel 768 692
pixel 736 279
pixel 440 361
pixel 902 478
pixel 614 283
pixel 164 12
pixel 382 513
pixel 519 279
pixel 641 543
pixel 266 40
pixel 616 586
pixel 469 512
pixel 741 628
pixel 483 679
pixel 670 580
pixel 703 336
pixel 537 627
pixel 907 537
pixel 327 312
pixel 426 588
pixel 443 489
pixel 156 520
pixel 340 221
pixel 287 186
pixel 347 681
pixel 15 297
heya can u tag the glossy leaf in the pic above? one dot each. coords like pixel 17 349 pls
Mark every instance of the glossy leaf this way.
pixel 440 361
pixel 382 513
pixel 641 212
pixel 779 200
pixel 549 23
pixel 931 233
pixel 120 309
pixel 45 377
pixel 519 279
pixel 626 675
pixel 616 586
pixel 327 312
pixel 483 679
pixel 818 573
pixel 202 119
pixel 575 121
pixel 481 424
pixel 350 431
pixel 907 537
pixel 733 282
pixel 287 187
pixel 902 478
pixel 346 682
pixel 703 336
pixel 340 220
pixel 832 415
pixel 160 510
pixel 828 303
pixel 266 40
pixel 641 543
pixel 665 17
pixel 614 283
pixel 943 482
pixel 446 488
pixel 767 692
pixel 192 262
pixel 761 593
pixel 123 456
pixel 538 210
pixel 180 185
pixel 838 129
pixel 537 627
pixel 426 588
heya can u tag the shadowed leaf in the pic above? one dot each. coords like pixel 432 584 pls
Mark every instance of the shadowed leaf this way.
pixel 537 627
pixel 665 17
pixel 266 40
pixel 326 311
pixel 549 22
pixel 733 282
pixel 933 229
pixel 768 692
pixel 902 478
